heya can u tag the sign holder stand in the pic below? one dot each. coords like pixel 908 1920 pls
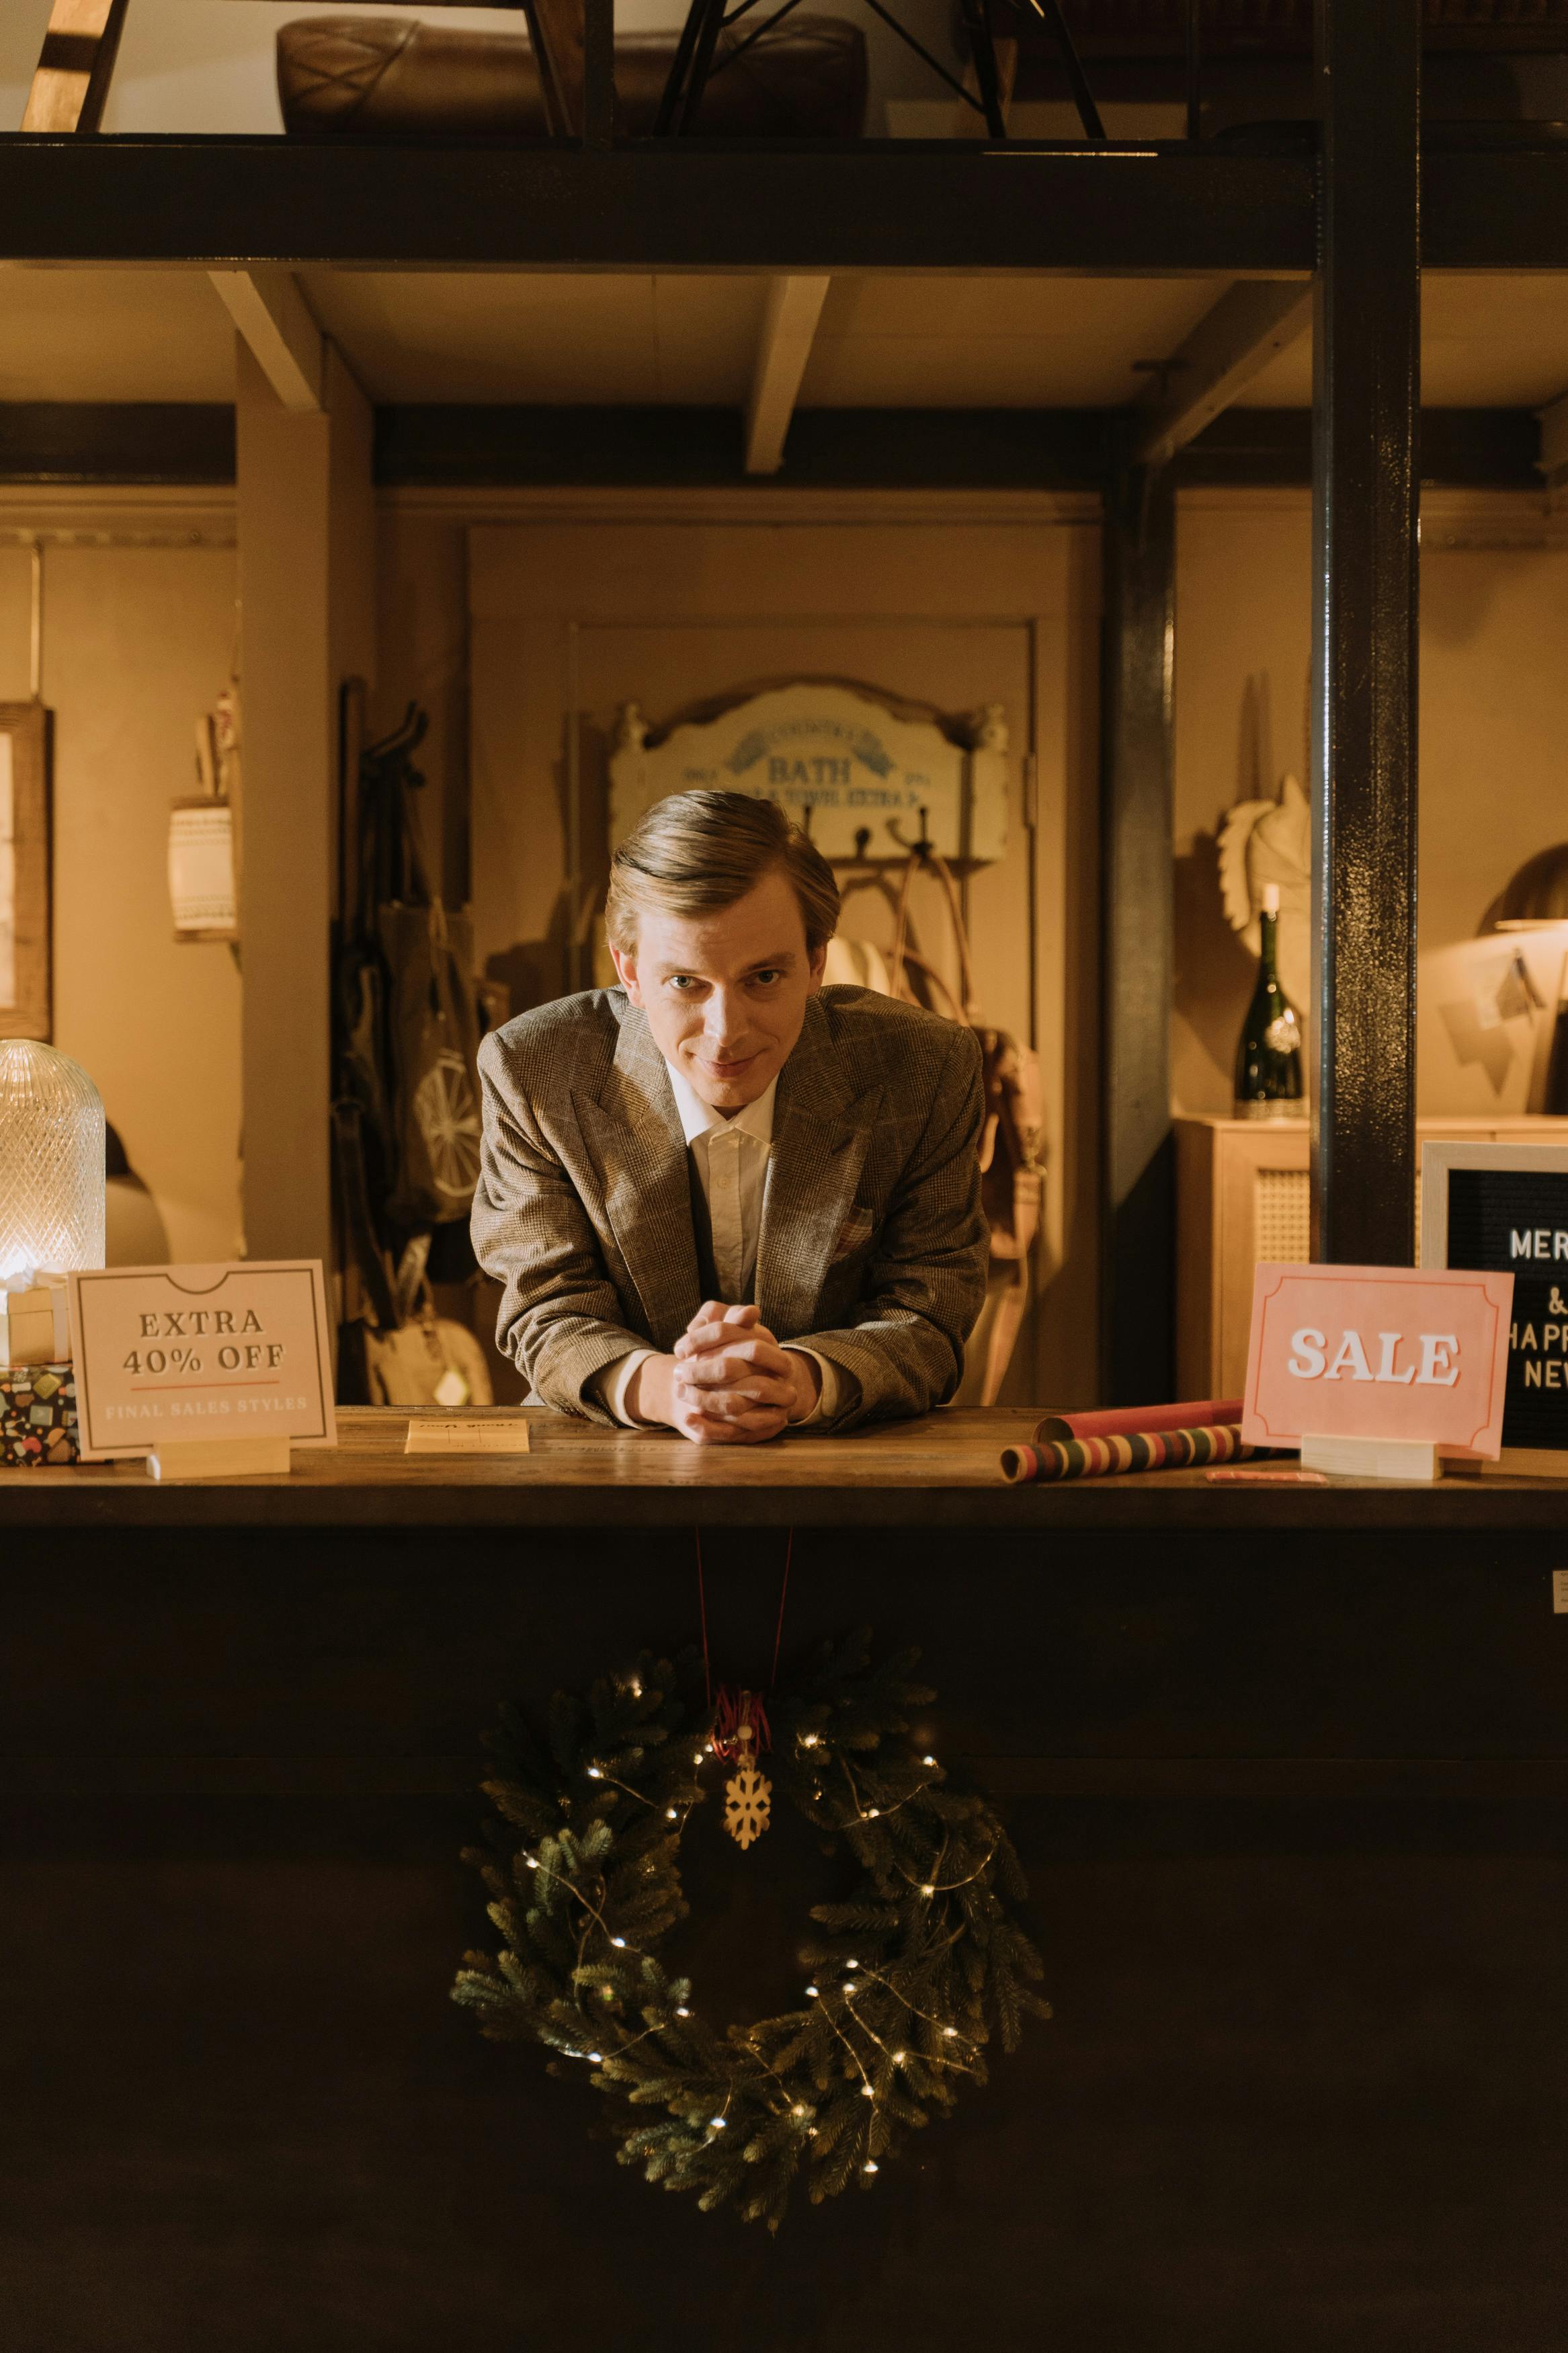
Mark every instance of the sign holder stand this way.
pixel 1371 1458
pixel 220 1458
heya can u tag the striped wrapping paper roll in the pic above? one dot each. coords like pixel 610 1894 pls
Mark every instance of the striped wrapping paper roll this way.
pixel 1144 1449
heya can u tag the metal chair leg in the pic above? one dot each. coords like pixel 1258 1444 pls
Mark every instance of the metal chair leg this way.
pixel 1083 97
pixel 664 121
pixel 701 63
pixel 556 32
pixel 982 49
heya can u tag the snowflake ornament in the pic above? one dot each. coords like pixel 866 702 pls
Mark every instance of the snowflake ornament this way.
pixel 748 1796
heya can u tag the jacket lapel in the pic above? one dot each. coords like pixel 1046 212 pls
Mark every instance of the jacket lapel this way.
pixel 820 1140
pixel 634 1133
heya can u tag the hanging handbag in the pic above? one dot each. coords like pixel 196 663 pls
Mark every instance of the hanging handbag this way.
pixel 408 1025
pixel 1012 1182
pixel 428 1361
pixel 434 1034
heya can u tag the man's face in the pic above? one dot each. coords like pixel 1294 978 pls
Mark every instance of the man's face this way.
pixel 725 994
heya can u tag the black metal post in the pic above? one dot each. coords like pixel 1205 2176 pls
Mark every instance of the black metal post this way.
pixel 1136 710
pixel 1366 493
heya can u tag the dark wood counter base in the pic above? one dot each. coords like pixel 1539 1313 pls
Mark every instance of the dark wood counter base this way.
pixel 1291 1787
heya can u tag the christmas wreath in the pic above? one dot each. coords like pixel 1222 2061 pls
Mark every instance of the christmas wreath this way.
pixel 909 1977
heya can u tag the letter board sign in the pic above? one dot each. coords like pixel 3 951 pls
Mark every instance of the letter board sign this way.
pixel 1505 1206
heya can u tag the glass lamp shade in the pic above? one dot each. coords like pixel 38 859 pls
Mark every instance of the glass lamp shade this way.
pixel 51 1162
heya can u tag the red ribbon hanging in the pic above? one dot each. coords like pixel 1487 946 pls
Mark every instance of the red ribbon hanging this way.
pixel 732 1709
pixel 735 1711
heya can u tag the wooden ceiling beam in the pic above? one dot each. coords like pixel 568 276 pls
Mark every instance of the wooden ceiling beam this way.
pixel 1248 326
pixel 276 322
pixel 784 347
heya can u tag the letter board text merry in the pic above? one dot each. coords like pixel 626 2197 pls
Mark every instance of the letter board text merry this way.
pixel 1505 1207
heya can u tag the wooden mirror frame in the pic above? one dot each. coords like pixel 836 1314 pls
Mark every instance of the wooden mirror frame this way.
pixel 28 730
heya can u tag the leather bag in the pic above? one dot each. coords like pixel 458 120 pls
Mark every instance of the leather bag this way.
pixel 1012 1182
pixel 435 1042
pixel 383 77
pixel 430 1361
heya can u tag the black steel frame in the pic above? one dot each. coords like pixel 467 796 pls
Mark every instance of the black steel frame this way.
pixel 693 204
pixel 494 446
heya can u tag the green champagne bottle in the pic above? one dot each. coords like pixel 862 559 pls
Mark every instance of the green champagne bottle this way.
pixel 1269 1078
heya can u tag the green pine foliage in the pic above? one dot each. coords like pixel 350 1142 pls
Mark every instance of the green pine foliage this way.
pixel 912 1977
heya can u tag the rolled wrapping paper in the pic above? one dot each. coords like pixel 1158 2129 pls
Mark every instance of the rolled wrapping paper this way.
pixel 1137 1420
pixel 1138 1450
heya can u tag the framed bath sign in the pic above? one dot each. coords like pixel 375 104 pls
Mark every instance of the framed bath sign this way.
pixel 858 773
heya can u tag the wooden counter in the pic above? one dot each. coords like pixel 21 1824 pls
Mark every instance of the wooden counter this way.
pixel 1288 1771
pixel 942 1471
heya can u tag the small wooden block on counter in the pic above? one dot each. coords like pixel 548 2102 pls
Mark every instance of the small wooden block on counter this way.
pixel 1370 1458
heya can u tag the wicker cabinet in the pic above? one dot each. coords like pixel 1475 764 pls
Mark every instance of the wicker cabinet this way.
pixel 1242 1195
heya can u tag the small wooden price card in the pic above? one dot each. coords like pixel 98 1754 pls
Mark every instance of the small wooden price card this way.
pixel 467 1433
pixel 217 1356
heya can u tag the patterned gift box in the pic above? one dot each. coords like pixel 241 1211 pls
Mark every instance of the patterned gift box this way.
pixel 37 1416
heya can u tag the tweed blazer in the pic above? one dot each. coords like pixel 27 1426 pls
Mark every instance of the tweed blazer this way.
pixel 873 1246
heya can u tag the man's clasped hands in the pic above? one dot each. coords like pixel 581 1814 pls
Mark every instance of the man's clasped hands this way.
pixel 729 1382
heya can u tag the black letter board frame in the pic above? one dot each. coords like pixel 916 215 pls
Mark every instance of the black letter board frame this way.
pixel 1474 1197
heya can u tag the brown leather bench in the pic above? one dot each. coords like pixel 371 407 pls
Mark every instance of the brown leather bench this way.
pixel 379 77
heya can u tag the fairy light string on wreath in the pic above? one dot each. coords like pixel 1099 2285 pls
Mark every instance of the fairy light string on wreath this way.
pixel 921 1963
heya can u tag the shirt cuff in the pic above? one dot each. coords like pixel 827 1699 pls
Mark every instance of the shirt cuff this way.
pixel 827 1402
pixel 610 1385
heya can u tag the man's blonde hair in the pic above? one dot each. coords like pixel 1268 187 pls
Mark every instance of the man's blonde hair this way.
pixel 697 853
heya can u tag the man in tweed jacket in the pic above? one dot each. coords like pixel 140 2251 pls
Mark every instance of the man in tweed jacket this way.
pixel 721 1198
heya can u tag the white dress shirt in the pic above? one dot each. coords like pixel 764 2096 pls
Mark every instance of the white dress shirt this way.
pixel 731 1158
